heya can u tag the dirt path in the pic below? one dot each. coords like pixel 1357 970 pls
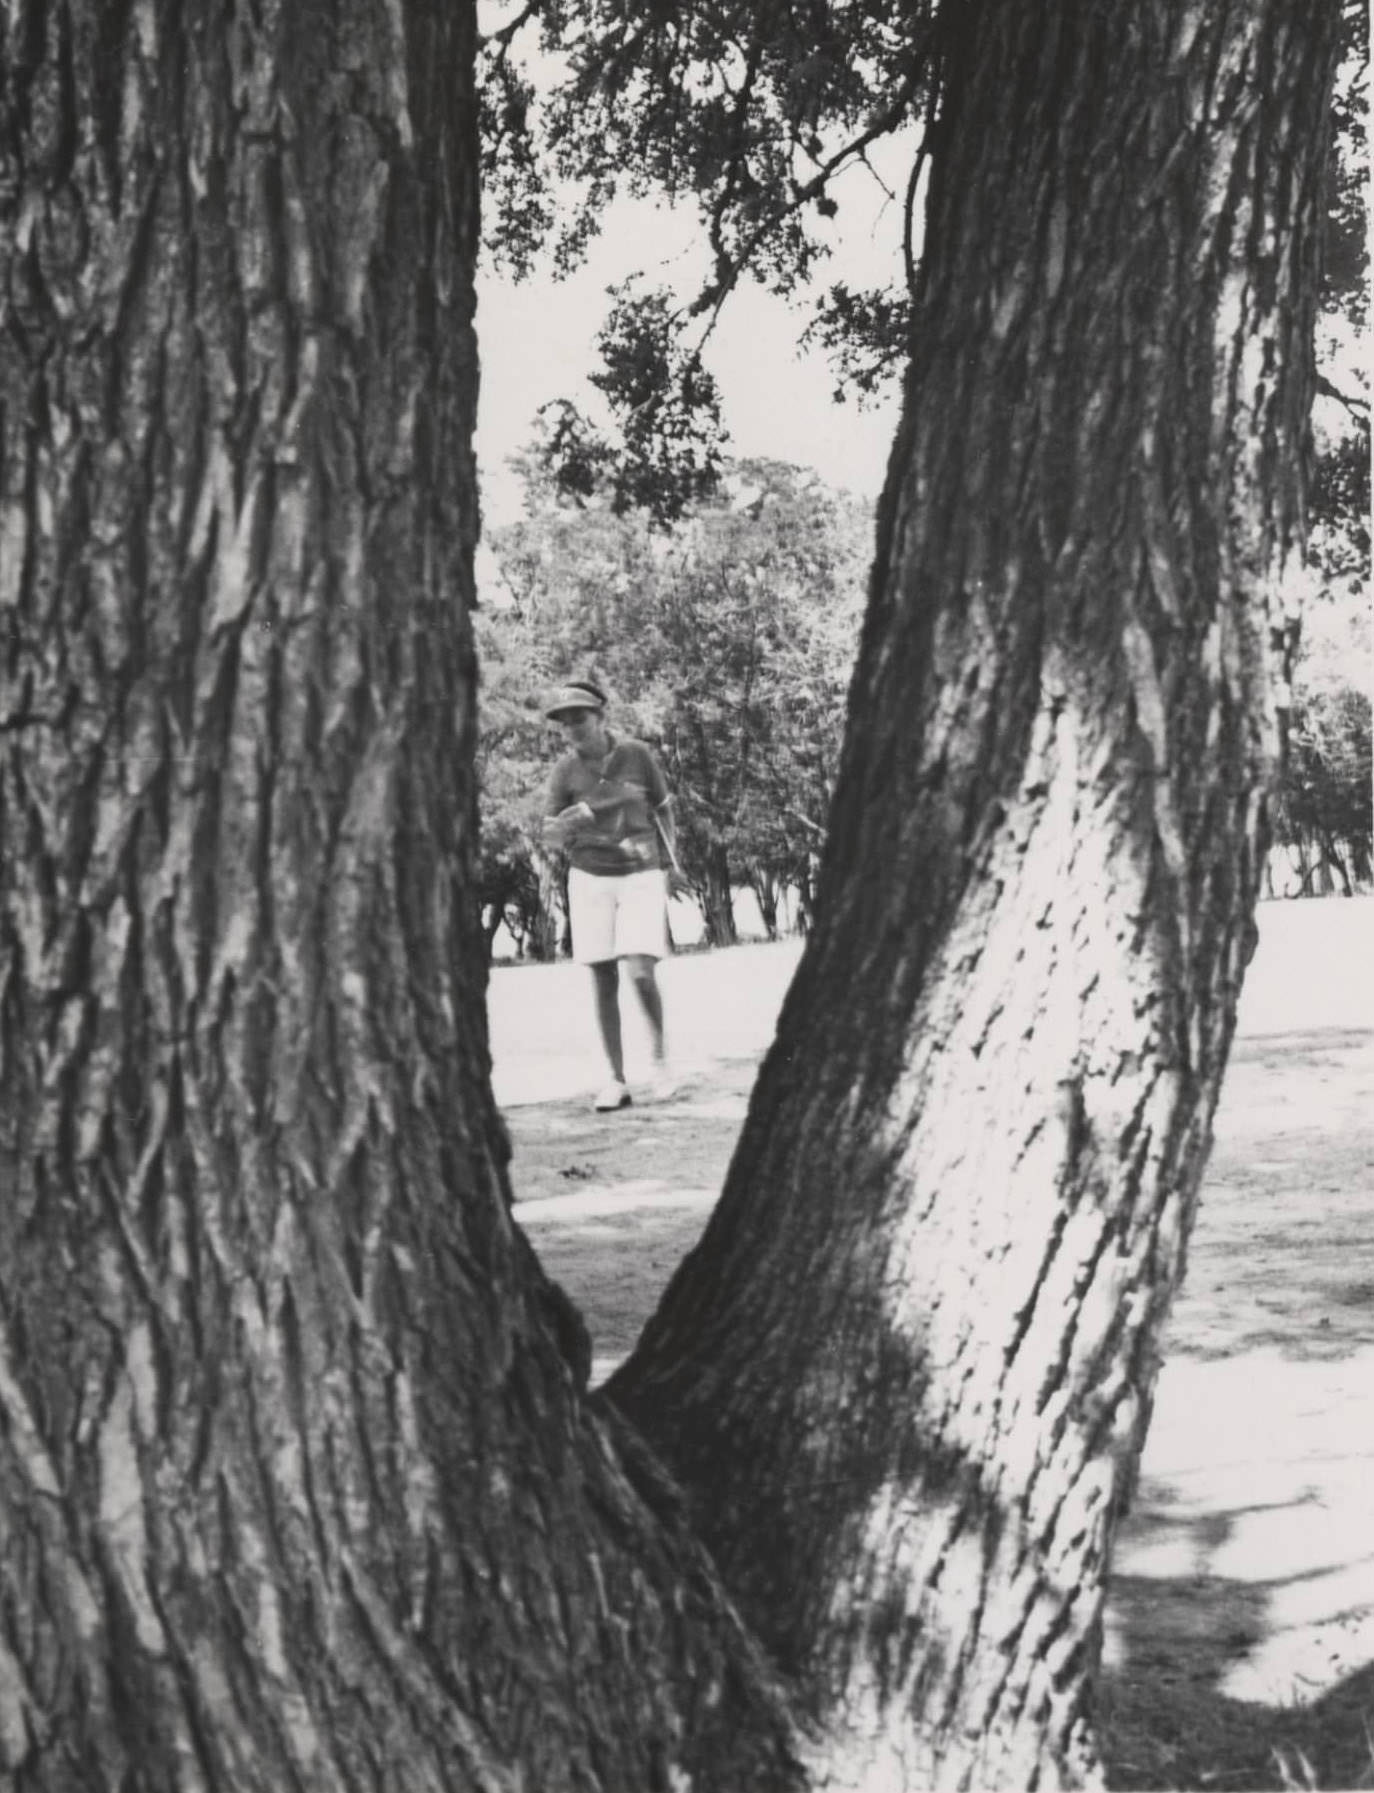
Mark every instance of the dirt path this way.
pixel 1240 1638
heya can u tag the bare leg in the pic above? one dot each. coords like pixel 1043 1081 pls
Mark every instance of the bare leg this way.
pixel 643 976
pixel 606 977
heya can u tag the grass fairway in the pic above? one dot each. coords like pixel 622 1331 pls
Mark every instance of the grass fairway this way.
pixel 1240 1635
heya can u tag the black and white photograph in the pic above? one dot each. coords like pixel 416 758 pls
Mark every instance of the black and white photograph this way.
pixel 686 897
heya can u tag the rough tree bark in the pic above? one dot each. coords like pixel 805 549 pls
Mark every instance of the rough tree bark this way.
pixel 297 1486
pixel 976 1145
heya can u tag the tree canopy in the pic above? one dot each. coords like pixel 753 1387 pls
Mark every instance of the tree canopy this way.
pixel 753 114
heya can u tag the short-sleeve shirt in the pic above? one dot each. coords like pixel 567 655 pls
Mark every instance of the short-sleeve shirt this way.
pixel 623 791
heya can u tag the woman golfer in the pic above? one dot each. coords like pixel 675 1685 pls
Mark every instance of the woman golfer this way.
pixel 609 809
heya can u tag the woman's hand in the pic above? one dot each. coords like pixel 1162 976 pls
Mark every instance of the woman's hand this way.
pixel 560 829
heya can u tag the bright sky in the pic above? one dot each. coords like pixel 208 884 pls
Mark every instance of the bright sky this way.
pixel 536 343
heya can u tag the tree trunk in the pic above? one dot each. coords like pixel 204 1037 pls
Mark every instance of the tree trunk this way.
pixel 297 1482
pixel 1363 866
pixel 765 888
pixel 557 908
pixel 806 896
pixel 544 909
pixel 493 914
pixel 1332 853
pixel 977 1143
pixel 717 901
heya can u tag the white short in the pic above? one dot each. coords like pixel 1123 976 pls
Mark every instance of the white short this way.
pixel 615 917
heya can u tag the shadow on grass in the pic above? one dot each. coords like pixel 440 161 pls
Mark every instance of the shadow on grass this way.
pixel 1175 1642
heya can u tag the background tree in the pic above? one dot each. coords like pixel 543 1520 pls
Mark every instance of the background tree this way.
pixel 300 1481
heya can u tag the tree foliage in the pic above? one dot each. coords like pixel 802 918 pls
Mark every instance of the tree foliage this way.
pixel 1325 792
pixel 751 111
pixel 1325 811
pixel 754 113
pixel 1345 273
pixel 1338 512
pixel 516 883
pixel 668 446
